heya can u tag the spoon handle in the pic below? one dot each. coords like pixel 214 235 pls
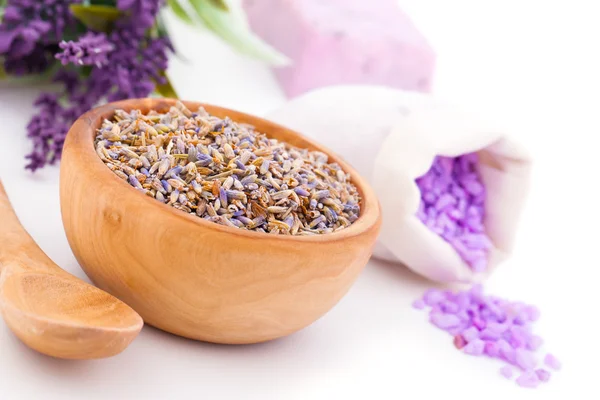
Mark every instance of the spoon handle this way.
pixel 17 248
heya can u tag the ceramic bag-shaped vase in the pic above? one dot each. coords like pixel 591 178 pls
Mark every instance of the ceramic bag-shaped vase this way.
pixel 392 138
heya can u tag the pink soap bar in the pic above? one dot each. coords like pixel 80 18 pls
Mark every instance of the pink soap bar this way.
pixel 343 42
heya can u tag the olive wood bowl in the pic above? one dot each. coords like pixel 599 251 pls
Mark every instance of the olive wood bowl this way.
pixel 195 278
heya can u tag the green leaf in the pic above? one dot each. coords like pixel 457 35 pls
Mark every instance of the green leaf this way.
pixel 235 32
pixel 166 89
pixel 99 18
pixel 222 4
pixel 3 74
pixel 180 12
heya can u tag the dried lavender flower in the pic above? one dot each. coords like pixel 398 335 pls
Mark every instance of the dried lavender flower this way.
pixel 91 49
pixel 234 175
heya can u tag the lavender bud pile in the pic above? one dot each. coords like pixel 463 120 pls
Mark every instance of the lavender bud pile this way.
pixel 490 326
pixel 452 205
pixel 227 172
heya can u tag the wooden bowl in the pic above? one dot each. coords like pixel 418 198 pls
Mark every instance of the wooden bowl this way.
pixel 196 278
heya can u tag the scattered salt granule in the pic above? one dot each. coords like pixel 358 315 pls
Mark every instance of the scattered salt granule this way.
pixel 490 326
pixel 528 379
pixel 470 334
pixel 452 205
pixel 506 372
pixel 552 362
pixel 475 347
pixel 444 321
pixel 543 375
pixel 418 304
pixel 524 359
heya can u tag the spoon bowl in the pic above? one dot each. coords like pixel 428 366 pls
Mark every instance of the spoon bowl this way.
pixel 193 277
pixel 66 318
pixel 52 311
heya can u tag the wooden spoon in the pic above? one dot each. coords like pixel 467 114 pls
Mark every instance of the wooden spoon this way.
pixel 52 311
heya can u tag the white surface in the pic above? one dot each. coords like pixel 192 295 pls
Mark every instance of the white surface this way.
pixel 513 55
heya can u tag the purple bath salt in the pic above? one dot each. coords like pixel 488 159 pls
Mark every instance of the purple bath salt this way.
pixel 475 347
pixel 453 206
pixel 528 379
pixel 433 297
pixel 418 304
pixel 491 349
pixel 444 321
pixel 470 334
pixel 552 362
pixel 543 375
pixel 506 372
pixel 534 342
pixel 490 326
pixel 524 359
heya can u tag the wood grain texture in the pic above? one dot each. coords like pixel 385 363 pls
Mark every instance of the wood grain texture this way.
pixel 52 311
pixel 196 278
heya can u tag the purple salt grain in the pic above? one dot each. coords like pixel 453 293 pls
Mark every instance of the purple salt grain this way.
pixel 444 321
pixel 475 347
pixel 497 327
pixel 452 205
pixel 490 326
pixel 479 323
pixel 552 362
pixel 470 334
pixel 532 313
pixel 543 375
pixel 506 372
pixel 534 342
pixel 449 307
pixel 488 334
pixel 433 296
pixel 491 349
pixel 444 201
pixel 507 353
pixel 418 304
pixel 528 379
pixel 524 359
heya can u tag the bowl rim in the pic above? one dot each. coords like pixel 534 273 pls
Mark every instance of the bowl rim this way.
pixel 80 138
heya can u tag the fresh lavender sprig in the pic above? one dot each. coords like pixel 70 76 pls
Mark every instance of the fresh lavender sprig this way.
pixel 91 49
pixel 126 63
pixel 29 28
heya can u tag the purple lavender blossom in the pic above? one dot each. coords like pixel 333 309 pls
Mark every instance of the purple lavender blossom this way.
pixel 91 49
pixel 28 28
pixel 47 129
pixel 35 63
pixel 144 11
pixel 135 65
pixel 126 63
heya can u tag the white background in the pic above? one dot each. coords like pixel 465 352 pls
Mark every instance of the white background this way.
pixel 535 64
